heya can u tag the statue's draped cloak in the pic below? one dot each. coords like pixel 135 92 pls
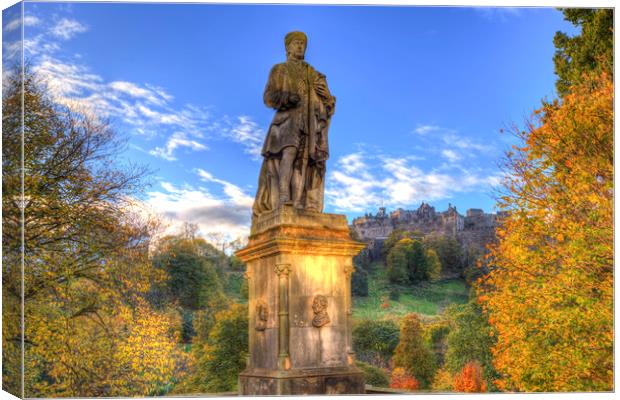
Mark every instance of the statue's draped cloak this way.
pixel 304 125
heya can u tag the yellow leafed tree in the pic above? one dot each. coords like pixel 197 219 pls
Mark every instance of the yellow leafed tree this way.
pixel 549 294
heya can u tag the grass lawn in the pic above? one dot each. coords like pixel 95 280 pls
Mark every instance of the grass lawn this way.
pixel 429 298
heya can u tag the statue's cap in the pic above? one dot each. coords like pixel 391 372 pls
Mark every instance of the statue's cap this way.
pixel 294 35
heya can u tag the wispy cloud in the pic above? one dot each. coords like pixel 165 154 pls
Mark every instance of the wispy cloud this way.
pixel 499 13
pixel 67 28
pixel 465 143
pixel 452 145
pixel 247 133
pixel 451 155
pixel 152 95
pixel 29 20
pixel 426 129
pixel 146 109
pixel 178 139
pixel 235 194
pixel 360 182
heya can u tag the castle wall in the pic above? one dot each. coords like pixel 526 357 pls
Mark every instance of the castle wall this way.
pixel 475 229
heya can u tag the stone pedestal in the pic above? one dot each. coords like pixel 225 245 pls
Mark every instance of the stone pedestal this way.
pixel 299 267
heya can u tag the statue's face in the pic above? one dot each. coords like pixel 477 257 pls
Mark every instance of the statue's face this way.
pixel 297 49
pixel 319 304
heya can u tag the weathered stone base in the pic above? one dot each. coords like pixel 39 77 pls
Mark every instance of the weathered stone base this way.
pixel 343 380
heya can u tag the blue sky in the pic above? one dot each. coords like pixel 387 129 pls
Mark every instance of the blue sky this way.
pixel 422 93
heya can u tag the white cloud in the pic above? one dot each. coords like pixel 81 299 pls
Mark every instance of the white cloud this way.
pixel 466 143
pixel 350 185
pixel 156 96
pixel 146 108
pixel 11 50
pixel 352 163
pixel 235 194
pixel 212 214
pixel 178 139
pixel 67 28
pixel 247 133
pixel 451 155
pixel 29 20
pixel 426 129
pixel 359 182
pixel 499 13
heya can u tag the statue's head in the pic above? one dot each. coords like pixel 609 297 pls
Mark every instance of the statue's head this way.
pixel 319 304
pixel 295 43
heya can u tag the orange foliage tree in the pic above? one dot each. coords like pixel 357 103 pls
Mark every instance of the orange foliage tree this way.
pixel 549 294
pixel 400 379
pixel 470 379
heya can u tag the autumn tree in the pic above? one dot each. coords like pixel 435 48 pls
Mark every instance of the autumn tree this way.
pixel 85 255
pixel 549 294
pixel 434 265
pixel 396 236
pixel 412 353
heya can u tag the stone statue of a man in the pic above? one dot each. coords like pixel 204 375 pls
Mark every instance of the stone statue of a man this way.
pixel 295 149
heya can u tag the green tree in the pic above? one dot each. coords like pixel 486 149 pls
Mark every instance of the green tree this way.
pixel 398 262
pixel 449 252
pixel 359 283
pixel 417 263
pixel 407 262
pixel 192 277
pixel 412 353
pixel 469 339
pixel 591 50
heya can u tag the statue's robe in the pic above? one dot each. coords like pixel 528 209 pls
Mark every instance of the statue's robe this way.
pixel 303 125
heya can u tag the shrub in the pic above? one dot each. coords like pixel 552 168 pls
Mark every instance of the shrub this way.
pixel 442 382
pixel 373 375
pixel 435 336
pixel 400 379
pixel 470 379
pixel 375 341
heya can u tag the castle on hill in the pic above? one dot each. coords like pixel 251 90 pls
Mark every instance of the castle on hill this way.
pixel 474 229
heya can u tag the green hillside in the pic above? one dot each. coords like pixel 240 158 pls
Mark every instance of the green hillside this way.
pixel 428 298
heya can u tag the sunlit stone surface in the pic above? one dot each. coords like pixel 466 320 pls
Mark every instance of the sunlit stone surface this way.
pixel 299 265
